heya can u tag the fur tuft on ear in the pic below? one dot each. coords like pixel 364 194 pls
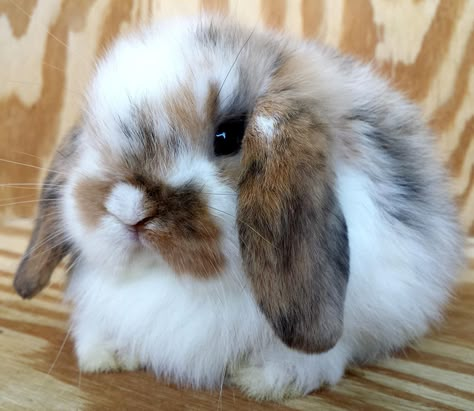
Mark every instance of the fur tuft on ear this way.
pixel 293 235
pixel 48 244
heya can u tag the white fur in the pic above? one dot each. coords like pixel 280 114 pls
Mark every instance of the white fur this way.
pixel 266 126
pixel 149 317
pixel 126 203
pixel 132 310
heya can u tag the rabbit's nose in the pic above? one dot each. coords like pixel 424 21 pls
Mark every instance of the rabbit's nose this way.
pixel 139 227
pixel 126 203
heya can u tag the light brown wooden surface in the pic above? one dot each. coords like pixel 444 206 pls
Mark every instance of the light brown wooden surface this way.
pixel 47 49
pixel 38 370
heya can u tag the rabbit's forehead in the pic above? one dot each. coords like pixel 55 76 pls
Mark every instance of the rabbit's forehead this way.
pixel 138 93
pixel 158 65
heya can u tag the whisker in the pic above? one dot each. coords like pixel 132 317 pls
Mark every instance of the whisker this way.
pixel 41 168
pixel 60 350
pixel 29 201
pixel 201 191
pixel 72 265
pixel 243 222
pixel 31 166
pixel 219 401
pixel 27 154
pixel 224 212
pixel 79 379
pixel 46 240
pixel 68 269
pixel 53 67
pixel 37 188
pixel 19 197
pixel 44 25
pixel 29 184
pixel 219 298
pixel 235 60
pixel 219 194
pixel 55 212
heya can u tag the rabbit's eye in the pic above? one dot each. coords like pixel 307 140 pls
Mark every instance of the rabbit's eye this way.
pixel 228 136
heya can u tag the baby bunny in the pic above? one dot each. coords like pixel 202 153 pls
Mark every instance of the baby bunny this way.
pixel 245 206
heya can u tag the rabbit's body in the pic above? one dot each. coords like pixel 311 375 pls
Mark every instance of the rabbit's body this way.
pixel 195 312
pixel 193 331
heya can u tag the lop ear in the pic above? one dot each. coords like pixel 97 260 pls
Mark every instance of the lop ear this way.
pixel 48 244
pixel 293 235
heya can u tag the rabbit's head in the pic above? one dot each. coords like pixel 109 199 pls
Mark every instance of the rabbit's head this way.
pixel 202 143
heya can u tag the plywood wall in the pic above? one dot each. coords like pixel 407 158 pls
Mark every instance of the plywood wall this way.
pixel 47 49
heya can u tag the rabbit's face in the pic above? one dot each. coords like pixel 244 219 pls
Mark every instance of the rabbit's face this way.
pixel 159 156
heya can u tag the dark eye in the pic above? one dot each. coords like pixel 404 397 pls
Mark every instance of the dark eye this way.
pixel 228 136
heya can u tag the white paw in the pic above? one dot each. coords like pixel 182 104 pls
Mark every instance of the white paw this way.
pixel 271 381
pixel 288 374
pixel 128 362
pixel 104 359
pixel 98 359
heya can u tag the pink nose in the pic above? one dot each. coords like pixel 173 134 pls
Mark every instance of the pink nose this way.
pixel 139 227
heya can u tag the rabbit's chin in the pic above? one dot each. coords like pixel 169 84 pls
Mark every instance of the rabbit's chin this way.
pixel 112 248
pixel 120 256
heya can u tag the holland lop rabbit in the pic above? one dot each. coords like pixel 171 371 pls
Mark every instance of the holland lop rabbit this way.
pixel 245 206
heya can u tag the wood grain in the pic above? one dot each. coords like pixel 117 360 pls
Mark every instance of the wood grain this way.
pixel 39 371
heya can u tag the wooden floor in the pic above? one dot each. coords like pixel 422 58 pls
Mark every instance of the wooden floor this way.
pixel 38 370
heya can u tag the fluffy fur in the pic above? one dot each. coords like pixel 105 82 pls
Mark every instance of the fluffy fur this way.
pixel 336 171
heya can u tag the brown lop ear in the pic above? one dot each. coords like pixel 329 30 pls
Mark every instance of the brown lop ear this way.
pixel 293 235
pixel 48 245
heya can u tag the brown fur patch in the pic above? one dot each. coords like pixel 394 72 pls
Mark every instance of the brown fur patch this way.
pixel 211 103
pixel 191 125
pixel 180 227
pixel 90 196
pixel 187 118
pixel 198 255
pixel 181 108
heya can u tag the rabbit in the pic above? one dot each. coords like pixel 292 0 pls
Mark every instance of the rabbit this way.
pixel 246 207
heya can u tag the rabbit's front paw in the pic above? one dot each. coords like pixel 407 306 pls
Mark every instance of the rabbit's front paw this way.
pixel 103 358
pixel 270 381
pixel 98 359
pixel 281 373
